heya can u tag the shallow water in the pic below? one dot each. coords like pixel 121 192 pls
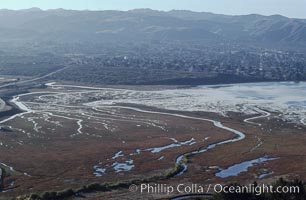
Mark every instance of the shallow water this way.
pixel 236 169
pixel 287 98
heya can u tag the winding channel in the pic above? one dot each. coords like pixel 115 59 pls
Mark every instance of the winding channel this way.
pixel 264 114
pixel 180 161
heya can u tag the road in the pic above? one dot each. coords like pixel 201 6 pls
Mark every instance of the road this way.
pixel 34 79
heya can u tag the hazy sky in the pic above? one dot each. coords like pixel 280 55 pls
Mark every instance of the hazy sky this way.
pixel 291 8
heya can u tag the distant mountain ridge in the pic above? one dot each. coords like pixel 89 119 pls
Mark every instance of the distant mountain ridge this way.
pixel 145 24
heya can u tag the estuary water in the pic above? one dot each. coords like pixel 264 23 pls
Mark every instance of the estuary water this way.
pixel 288 99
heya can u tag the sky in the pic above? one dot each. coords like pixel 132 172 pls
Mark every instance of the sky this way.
pixel 290 8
